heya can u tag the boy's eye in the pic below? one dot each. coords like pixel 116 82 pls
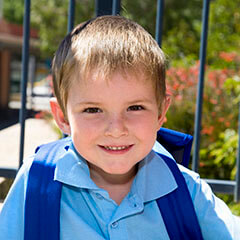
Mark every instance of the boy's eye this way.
pixel 92 110
pixel 135 108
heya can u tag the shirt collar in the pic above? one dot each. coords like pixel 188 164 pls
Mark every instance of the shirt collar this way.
pixel 72 169
pixel 153 180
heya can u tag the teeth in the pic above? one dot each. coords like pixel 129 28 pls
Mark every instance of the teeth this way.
pixel 115 148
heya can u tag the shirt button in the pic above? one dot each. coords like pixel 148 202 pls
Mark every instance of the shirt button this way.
pixel 114 225
pixel 133 205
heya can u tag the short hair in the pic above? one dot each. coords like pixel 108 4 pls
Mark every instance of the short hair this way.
pixel 107 44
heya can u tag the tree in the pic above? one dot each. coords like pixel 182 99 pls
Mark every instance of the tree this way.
pixel 49 17
pixel 182 24
pixel 181 31
pixel 224 29
pixel 13 11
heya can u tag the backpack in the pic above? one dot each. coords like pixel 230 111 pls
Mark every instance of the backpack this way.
pixel 42 204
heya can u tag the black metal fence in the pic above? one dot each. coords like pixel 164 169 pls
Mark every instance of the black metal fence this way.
pixel 106 7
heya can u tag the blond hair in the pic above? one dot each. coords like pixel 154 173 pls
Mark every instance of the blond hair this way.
pixel 107 44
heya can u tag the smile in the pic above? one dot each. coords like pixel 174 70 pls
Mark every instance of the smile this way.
pixel 116 149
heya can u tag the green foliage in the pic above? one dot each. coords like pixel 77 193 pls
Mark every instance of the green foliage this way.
pixel 136 10
pixel 220 113
pixel 224 29
pixel 222 151
pixel 235 208
pixel 13 11
pixel 49 17
pixel 222 154
pixel 182 21
pixel 181 30
pixel 232 87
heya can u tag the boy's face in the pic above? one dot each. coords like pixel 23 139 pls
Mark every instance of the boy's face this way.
pixel 113 123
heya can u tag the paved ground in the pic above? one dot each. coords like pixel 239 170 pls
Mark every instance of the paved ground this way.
pixel 37 131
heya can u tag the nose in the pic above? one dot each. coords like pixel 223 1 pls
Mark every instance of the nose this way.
pixel 116 126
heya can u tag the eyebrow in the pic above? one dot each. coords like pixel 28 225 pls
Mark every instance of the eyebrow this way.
pixel 88 103
pixel 137 101
pixel 144 100
pixel 83 104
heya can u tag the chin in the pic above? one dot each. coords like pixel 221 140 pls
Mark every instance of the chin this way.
pixel 120 171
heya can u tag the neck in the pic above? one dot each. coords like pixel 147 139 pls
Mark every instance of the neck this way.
pixel 117 185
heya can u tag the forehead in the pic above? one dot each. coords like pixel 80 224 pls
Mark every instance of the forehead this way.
pixel 126 82
pixel 98 75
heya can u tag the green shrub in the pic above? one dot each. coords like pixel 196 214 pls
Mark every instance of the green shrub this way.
pixel 220 156
pixel 220 111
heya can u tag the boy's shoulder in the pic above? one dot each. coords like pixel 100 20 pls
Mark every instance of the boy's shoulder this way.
pixel 188 173
pixel 194 183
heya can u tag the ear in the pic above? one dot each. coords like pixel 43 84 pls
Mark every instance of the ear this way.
pixel 59 116
pixel 165 107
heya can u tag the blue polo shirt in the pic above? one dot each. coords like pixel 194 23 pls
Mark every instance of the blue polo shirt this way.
pixel 87 212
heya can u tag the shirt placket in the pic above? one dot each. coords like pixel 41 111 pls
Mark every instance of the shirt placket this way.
pixel 117 227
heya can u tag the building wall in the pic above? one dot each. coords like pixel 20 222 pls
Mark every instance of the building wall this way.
pixel 5 58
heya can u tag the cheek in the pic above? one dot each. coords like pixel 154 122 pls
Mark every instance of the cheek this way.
pixel 145 123
pixel 146 130
pixel 83 128
pixel 83 134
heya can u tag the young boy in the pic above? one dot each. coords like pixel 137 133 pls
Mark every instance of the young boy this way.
pixel 109 83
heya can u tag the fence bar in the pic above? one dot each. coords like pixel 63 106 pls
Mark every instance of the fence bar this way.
pixel 159 22
pixel 198 113
pixel 116 7
pixel 24 75
pixel 222 186
pixel 237 187
pixel 103 7
pixel 71 15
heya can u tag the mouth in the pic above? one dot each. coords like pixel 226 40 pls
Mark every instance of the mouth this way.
pixel 116 149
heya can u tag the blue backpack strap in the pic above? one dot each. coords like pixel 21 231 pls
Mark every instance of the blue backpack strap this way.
pixel 42 204
pixel 177 143
pixel 177 208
